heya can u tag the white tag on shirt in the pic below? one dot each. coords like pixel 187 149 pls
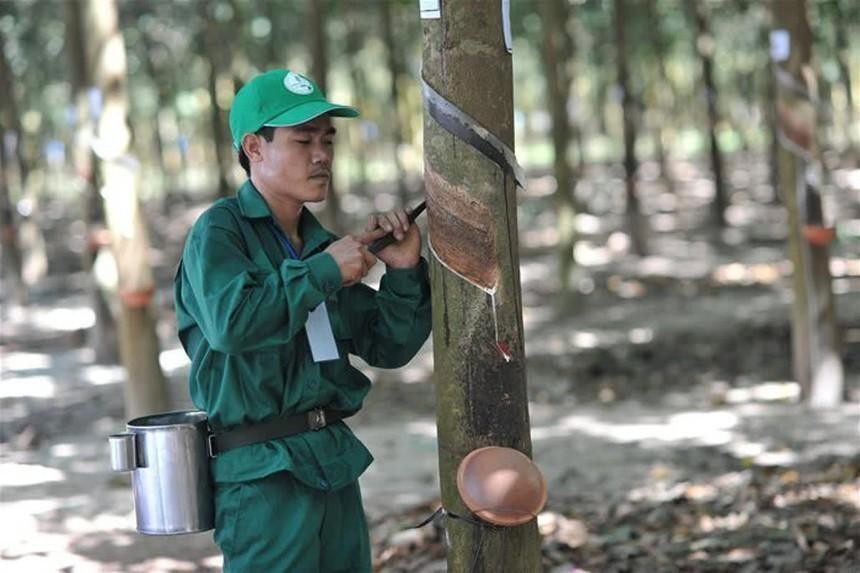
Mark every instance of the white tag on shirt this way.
pixel 320 335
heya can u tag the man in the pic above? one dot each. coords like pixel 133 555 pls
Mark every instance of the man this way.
pixel 268 306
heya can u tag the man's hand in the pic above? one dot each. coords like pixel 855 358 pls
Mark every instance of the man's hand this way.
pixel 406 252
pixel 352 258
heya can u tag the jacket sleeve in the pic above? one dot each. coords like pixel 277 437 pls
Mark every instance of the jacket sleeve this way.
pixel 239 306
pixel 389 326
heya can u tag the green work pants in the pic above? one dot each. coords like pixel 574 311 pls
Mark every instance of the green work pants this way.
pixel 278 524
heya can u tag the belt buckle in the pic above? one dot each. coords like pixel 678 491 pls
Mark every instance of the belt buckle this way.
pixel 316 419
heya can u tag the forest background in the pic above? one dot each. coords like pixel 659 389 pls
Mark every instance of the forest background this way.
pixel 655 256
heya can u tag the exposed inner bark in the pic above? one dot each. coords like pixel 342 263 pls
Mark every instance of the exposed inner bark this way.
pixel 462 231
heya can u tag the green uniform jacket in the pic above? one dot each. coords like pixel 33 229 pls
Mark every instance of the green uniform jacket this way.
pixel 241 306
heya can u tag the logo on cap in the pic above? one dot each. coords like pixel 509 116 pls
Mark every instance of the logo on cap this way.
pixel 298 84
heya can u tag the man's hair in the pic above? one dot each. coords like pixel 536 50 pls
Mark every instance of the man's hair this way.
pixel 268 133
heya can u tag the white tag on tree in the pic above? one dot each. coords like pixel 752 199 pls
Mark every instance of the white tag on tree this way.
pixel 320 335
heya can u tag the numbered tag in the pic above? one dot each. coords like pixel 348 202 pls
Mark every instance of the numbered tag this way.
pixel 320 335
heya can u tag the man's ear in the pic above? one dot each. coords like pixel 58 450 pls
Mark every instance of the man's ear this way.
pixel 252 145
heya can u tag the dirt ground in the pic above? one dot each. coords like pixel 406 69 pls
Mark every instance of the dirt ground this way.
pixel 663 416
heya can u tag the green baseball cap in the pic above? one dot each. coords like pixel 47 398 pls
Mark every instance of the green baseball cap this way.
pixel 279 98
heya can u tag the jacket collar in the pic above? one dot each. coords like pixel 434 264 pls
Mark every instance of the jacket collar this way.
pixel 254 206
pixel 251 203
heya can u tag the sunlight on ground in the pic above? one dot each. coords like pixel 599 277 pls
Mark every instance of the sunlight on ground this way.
pixel 62 319
pixel 17 475
pixel 420 369
pixel 765 392
pixel 422 428
pixel 173 360
pixel 29 386
pixel 709 428
pixel 25 361
pixel 98 375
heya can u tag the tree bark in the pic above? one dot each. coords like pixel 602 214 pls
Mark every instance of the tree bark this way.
pixel 394 70
pixel 841 53
pixel 354 35
pixel 817 362
pixel 705 44
pixel 213 41
pixel 102 338
pixel 319 66
pixel 768 105
pixel 557 60
pixel 146 388
pixel 664 96
pixel 12 259
pixel 481 396
pixel 634 219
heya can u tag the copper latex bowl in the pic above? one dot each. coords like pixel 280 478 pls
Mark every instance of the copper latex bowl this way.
pixel 501 485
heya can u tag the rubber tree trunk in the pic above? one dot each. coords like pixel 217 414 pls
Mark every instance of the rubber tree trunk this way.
pixel 102 337
pixel 162 97
pixel 817 363
pixel 481 396
pixel 767 99
pixel 356 33
pixel 394 71
pixel 557 59
pixel 11 261
pixel 319 66
pixel 634 219
pixel 274 47
pixel 214 44
pixel 663 95
pixel 145 388
pixel 705 44
pixel 842 51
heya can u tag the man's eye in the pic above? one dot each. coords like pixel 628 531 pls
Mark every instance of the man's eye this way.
pixel 328 141
pixel 303 141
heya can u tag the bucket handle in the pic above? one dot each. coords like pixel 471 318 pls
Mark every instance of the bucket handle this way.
pixel 123 452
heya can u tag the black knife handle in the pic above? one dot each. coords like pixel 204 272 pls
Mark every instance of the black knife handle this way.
pixel 386 240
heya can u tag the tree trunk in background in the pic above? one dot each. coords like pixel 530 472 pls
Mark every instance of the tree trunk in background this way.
pixel 841 53
pixel 472 206
pixel 603 81
pixel 102 338
pixel 635 221
pixel 319 70
pixel 145 388
pixel 11 267
pixel 558 60
pixel 705 45
pixel 817 362
pixel 664 99
pixel 273 52
pixel 768 104
pixel 214 44
pixel 354 37
pixel 161 102
pixel 11 260
pixel 394 70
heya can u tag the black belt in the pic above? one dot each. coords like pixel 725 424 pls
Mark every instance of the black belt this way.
pixel 313 420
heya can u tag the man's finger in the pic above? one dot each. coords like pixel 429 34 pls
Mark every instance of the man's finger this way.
pixel 368 237
pixel 369 259
pixel 403 218
pixel 371 223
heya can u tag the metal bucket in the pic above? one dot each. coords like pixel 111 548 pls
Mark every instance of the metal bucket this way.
pixel 167 456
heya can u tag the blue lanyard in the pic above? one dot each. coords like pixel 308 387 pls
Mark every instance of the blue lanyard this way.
pixel 284 240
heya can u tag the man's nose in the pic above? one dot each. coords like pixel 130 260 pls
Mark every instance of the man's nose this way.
pixel 322 154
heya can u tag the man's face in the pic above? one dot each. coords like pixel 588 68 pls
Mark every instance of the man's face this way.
pixel 297 163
